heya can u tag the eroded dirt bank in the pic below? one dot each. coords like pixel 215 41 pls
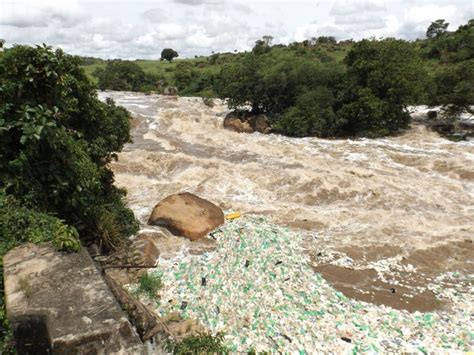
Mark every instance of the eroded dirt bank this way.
pixel 389 221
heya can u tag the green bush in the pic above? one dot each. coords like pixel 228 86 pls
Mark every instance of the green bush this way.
pixel 57 140
pixel 150 284
pixel 451 47
pixel 183 75
pixel 312 115
pixel 124 75
pixel 20 225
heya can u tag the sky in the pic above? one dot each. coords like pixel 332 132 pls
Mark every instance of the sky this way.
pixel 130 29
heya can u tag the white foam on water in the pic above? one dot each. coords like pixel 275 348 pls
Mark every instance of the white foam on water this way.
pixel 403 178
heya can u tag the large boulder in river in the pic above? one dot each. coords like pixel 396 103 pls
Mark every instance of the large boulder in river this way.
pixel 187 215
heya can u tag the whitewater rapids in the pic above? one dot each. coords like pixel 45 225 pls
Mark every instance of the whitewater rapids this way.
pixel 394 197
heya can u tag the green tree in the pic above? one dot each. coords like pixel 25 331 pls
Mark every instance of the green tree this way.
pixel 383 77
pixel 272 84
pixel 57 140
pixel 168 54
pixel 455 89
pixel 437 28
pixel 241 84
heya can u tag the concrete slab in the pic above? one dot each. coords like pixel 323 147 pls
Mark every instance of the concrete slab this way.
pixel 59 303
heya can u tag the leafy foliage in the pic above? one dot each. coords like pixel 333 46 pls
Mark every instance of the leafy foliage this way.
pixel 150 284
pixel 240 83
pixel 124 75
pixel 452 85
pixel 57 139
pixel 455 89
pixel 183 75
pixel 451 47
pixel 382 78
pixel 20 225
pixel 312 114
pixel 305 96
pixel 263 45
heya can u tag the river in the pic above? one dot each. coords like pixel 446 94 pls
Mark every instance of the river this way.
pixel 390 215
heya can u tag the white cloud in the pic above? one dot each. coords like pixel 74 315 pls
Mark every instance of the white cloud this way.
pixel 347 7
pixel 156 15
pixel 171 31
pixel 427 13
pixel 130 29
pixel 199 39
pixel 199 2
pixel 361 22
pixel 416 19
pixel 40 13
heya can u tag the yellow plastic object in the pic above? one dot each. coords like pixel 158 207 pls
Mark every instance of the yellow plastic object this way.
pixel 233 215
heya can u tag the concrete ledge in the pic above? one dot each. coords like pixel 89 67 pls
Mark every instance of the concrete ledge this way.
pixel 59 303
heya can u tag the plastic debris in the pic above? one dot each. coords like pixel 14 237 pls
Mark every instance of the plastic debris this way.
pixel 232 215
pixel 278 303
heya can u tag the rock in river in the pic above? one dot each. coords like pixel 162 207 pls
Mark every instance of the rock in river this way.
pixel 187 215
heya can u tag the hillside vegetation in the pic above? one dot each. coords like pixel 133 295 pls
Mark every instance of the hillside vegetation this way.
pixel 319 87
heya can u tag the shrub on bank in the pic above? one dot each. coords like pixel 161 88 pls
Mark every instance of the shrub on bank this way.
pixel 57 140
pixel 124 75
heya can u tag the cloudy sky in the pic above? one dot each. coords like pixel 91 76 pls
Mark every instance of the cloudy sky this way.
pixel 141 29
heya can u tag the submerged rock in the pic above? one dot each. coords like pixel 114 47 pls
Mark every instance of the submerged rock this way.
pixel 187 215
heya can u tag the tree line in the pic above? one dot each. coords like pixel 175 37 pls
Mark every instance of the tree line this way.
pixel 322 87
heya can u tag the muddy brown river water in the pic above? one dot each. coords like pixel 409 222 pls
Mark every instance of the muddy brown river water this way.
pixel 388 221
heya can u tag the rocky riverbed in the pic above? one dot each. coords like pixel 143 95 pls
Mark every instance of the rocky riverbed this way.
pixel 385 221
